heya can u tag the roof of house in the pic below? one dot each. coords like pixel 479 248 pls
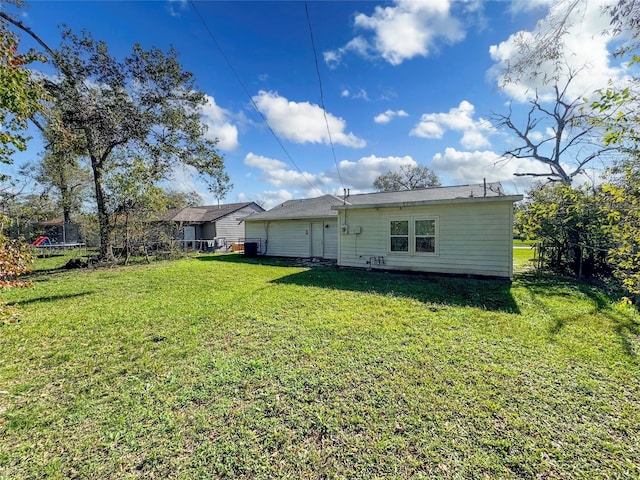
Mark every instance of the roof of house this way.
pixel 206 213
pixel 327 205
pixel 425 196
pixel 319 207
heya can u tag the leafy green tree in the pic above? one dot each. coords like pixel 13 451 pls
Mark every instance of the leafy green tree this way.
pixel 144 103
pixel 134 197
pixel 407 177
pixel 622 197
pixel 571 227
pixel 21 95
pixel 25 209
pixel 15 261
pixel 61 172
pixel 15 258
pixel 175 200
pixel 219 184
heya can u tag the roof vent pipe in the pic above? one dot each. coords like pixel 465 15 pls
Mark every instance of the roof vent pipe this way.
pixel 485 186
pixel 345 195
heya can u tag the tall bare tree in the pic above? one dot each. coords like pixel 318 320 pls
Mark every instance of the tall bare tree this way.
pixel 559 133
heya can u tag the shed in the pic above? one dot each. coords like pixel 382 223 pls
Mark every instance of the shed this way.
pixel 208 223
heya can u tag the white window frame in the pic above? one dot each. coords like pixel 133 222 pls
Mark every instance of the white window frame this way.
pixel 408 236
pixel 412 235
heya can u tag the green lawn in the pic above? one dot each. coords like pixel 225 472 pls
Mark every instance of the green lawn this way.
pixel 225 367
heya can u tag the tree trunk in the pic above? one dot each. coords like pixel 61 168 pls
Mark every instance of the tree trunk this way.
pixel 106 247
pixel 66 204
pixel 127 240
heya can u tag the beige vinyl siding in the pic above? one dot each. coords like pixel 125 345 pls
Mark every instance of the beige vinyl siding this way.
pixel 331 239
pixel 472 239
pixel 255 230
pixel 290 238
pixel 281 238
pixel 231 226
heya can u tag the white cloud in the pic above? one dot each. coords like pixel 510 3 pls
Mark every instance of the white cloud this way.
pixel 517 8
pixel 303 122
pixel 263 163
pixel 460 118
pixel 359 95
pixel 474 139
pixel 276 173
pixel 473 167
pixel 362 173
pixel 267 199
pixel 386 117
pixel 584 50
pixel 219 126
pixel 408 29
pixel 176 7
pixel 358 45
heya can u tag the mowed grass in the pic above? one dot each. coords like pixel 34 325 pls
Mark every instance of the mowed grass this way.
pixel 224 367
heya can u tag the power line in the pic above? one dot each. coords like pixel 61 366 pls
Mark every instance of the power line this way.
pixel 253 103
pixel 324 110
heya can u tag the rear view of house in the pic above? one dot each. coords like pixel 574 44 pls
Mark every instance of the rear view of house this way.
pixel 465 229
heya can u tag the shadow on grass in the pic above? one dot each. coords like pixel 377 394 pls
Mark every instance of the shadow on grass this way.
pixel 494 295
pixel 51 298
pixel 239 258
pixel 623 320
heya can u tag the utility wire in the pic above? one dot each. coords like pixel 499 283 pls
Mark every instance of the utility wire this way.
pixel 324 110
pixel 253 103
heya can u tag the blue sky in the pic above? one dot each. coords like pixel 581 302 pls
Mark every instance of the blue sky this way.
pixel 403 82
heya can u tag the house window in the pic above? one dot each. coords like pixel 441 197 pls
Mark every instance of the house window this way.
pixel 425 236
pixel 414 235
pixel 399 235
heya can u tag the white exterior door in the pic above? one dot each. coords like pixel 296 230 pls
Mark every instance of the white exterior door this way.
pixel 317 239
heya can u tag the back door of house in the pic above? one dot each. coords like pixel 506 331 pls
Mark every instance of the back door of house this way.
pixel 317 240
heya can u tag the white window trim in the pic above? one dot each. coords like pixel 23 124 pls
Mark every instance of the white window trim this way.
pixel 408 235
pixel 412 235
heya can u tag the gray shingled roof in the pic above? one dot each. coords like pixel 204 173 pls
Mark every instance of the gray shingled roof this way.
pixel 428 194
pixel 207 213
pixel 321 207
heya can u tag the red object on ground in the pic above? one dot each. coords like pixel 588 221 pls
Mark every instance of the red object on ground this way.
pixel 41 240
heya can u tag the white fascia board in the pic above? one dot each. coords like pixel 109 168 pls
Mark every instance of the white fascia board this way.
pixel 505 198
